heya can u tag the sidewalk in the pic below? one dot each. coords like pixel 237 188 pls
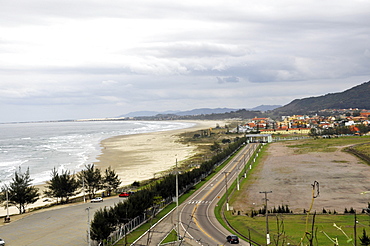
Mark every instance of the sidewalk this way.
pixel 159 232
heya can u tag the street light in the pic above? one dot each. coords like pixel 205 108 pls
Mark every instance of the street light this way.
pixel 237 177
pixel 177 204
pixel 7 218
pixel 227 196
pixel 88 226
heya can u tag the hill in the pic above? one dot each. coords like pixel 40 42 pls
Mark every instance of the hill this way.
pixel 200 111
pixel 356 97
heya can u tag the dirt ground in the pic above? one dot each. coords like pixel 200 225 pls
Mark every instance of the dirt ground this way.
pixel 290 176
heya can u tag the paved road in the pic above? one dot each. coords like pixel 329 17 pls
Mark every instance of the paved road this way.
pixel 198 223
pixel 68 225
pixel 60 226
pixel 197 218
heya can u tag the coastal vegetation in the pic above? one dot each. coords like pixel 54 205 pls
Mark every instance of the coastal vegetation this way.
pixel 146 200
pixel 89 180
pixel 61 186
pixel 20 192
pixel 214 145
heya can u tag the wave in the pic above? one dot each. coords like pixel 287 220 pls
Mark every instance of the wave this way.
pixel 63 145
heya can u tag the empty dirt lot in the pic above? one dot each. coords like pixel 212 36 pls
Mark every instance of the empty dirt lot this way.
pixel 342 178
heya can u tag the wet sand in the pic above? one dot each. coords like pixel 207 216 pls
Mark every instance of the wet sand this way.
pixel 139 157
pixel 142 156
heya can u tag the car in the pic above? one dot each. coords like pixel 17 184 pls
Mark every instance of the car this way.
pixel 126 194
pixel 97 199
pixel 2 242
pixel 232 239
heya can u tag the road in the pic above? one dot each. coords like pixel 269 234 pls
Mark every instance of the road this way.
pixel 197 218
pixel 66 225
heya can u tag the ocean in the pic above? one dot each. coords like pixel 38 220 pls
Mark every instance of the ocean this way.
pixel 43 146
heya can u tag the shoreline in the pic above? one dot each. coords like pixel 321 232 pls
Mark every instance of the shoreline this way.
pixel 140 157
pixel 137 157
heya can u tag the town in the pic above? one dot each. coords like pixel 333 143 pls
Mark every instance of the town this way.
pixel 329 122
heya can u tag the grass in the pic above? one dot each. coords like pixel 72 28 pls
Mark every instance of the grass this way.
pixel 326 145
pixel 138 232
pixel 363 148
pixel 233 193
pixel 293 227
pixel 172 237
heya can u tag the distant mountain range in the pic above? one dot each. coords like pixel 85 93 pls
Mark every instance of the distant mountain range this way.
pixel 356 97
pixel 199 111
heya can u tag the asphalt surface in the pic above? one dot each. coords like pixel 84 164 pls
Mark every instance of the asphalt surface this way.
pixel 197 218
pixel 198 225
pixel 67 225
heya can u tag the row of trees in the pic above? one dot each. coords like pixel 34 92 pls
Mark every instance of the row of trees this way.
pixel 340 130
pixel 145 200
pixel 20 192
pixel 89 180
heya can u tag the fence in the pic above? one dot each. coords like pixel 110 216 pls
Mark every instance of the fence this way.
pixel 133 224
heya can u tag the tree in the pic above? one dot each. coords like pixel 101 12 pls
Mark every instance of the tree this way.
pixel 103 224
pixel 111 180
pixel 216 147
pixel 226 140
pixel 365 239
pixel 61 185
pixel 313 132
pixel 91 179
pixel 363 128
pixel 20 191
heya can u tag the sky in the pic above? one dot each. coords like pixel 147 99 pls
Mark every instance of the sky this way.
pixel 93 59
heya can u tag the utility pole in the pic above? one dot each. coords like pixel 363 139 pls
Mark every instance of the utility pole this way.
pixel 83 189
pixel 237 178
pixel 267 218
pixel 177 203
pixel 355 230
pixel 7 206
pixel 88 226
pixel 227 195
pixel 245 167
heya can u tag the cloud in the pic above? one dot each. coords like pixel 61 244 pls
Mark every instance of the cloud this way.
pixel 165 55
pixel 232 79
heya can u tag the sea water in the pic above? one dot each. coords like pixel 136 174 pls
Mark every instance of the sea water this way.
pixel 43 146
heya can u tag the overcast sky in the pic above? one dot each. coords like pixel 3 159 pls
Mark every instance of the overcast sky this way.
pixel 90 59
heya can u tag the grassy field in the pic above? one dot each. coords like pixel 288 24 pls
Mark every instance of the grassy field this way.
pixel 292 228
pixel 289 229
pixel 328 145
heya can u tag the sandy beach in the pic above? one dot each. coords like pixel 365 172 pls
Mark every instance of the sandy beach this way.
pixel 142 156
pixel 139 157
